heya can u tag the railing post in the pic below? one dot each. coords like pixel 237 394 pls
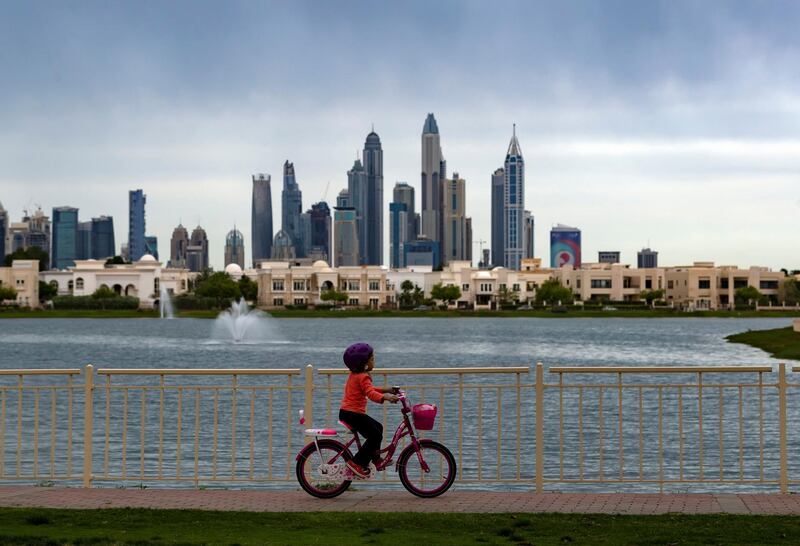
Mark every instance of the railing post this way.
pixel 88 414
pixel 308 409
pixel 539 427
pixel 784 479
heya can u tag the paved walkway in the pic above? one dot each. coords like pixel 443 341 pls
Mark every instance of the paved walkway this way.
pixel 400 501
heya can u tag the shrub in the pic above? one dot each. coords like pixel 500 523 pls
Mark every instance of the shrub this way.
pixel 88 302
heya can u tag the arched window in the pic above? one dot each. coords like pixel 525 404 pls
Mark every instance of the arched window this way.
pixel 70 285
pixel 79 283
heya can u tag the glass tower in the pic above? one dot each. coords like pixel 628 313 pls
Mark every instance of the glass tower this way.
pixel 373 212
pixel 65 237
pixel 292 208
pixel 514 205
pixel 261 218
pixel 137 247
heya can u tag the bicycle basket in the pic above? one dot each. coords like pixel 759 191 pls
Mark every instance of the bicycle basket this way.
pixel 424 415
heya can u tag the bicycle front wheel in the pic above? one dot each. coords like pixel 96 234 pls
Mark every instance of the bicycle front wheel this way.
pixel 321 473
pixel 428 472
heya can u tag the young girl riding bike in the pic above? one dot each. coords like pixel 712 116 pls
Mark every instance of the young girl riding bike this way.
pixel 360 359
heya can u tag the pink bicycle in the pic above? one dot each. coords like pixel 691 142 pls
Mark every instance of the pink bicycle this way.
pixel 426 468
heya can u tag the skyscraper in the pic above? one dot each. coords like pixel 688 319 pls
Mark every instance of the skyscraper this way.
pixel 398 234
pixel 261 218
pixel 151 245
pixel 498 215
pixel 136 225
pixel 320 218
pixel 514 205
pixel 282 247
pixel 197 251
pixel 34 230
pixel 373 217
pixel 178 246
pixel 456 245
pixel 84 244
pixel 102 245
pixel 432 166
pixel 529 235
pixel 345 232
pixel 357 196
pixel 234 248
pixel 403 193
pixel 65 237
pixel 292 208
pixel 647 259
pixel 3 231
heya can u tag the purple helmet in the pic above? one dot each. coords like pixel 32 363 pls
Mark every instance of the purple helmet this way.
pixel 356 355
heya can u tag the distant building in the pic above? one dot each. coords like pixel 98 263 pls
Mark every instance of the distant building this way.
pixel 137 246
pixel 457 240
pixel 486 262
pixel 403 193
pixel 320 232
pixel 151 245
pixel 84 246
pixel 197 251
pixel 398 234
pixel 433 173
pixel 3 232
pixel 23 276
pixel 65 237
pixel 357 195
pixel 514 205
pixel 178 247
pixel 565 246
pixel 646 259
pixel 261 218
pixel 422 252
pixel 529 223
pixel 608 256
pixel 102 238
pixel 345 232
pixel 32 231
pixel 234 248
pixel 292 208
pixel 373 211
pixel 282 247
pixel 498 215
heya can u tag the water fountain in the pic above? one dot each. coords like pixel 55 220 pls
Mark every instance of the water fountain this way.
pixel 165 304
pixel 241 324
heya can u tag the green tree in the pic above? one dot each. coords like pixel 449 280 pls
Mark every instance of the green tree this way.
pixel 7 293
pixel 747 295
pixel 406 298
pixel 248 288
pixel 418 296
pixel 116 260
pixel 46 291
pixel 334 295
pixel 219 286
pixel 30 253
pixel 552 291
pixel 104 293
pixel 507 298
pixel 448 294
pixel 789 292
pixel 651 295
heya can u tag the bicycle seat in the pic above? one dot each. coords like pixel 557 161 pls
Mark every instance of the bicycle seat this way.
pixel 346 426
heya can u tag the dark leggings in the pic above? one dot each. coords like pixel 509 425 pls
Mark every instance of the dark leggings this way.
pixel 367 427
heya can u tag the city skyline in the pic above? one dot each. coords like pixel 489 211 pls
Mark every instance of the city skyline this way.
pixel 682 116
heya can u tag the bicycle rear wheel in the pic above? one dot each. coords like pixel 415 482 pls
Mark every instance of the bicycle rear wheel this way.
pixel 321 472
pixel 440 474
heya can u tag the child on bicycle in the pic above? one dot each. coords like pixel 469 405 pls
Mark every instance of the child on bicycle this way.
pixel 360 359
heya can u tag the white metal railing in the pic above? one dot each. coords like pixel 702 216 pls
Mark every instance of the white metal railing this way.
pixel 599 427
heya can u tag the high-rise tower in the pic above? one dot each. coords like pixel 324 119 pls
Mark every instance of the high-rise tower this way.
pixel 514 205
pixel 3 231
pixel 136 225
pixel 345 232
pixel 65 237
pixel 261 218
pixel 102 244
pixel 292 208
pixel 234 248
pixel 373 166
pixel 457 237
pixel 498 216
pixel 358 200
pixel 178 246
pixel 432 164
pixel 404 193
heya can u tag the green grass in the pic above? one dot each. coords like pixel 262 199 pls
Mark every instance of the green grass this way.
pixel 25 526
pixel 366 313
pixel 782 343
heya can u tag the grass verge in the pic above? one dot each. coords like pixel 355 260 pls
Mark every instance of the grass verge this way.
pixel 137 526
pixel 783 343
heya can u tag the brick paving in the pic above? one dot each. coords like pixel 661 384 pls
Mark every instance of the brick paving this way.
pixel 400 501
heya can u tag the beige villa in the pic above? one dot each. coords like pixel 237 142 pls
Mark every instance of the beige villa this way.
pixel 22 276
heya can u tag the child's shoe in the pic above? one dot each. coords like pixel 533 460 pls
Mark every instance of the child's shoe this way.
pixel 358 470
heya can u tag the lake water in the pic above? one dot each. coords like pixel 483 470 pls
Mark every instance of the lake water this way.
pixel 399 343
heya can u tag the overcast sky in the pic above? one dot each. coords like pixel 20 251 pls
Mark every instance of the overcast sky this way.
pixel 674 124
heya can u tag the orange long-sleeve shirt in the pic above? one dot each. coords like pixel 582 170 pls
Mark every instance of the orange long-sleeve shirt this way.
pixel 356 391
